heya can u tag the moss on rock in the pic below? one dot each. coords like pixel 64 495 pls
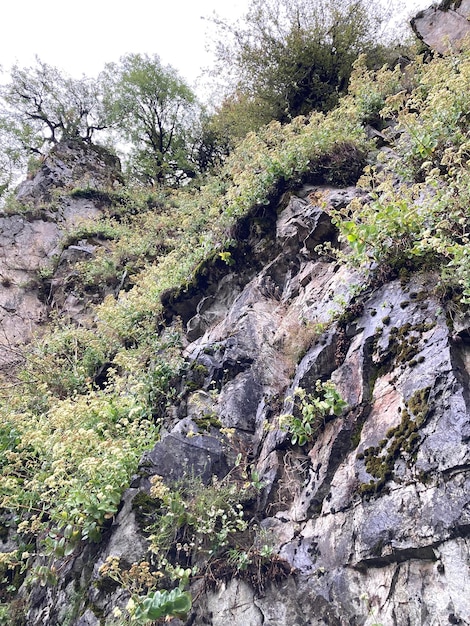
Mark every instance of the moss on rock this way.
pixel 380 460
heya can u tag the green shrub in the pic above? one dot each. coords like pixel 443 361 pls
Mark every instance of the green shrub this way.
pixel 312 412
pixel 174 603
pixel 202 519
pixel 66 360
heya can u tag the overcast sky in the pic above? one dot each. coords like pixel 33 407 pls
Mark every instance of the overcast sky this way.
pixel 80 37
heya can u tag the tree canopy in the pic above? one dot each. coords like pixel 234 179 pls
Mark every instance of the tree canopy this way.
pixel 283 59
pixel 290 57
pixel 154 111
pixel 43 106
pixel 39 107
pixel 139 106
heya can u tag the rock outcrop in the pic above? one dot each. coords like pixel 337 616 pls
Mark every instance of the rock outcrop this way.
pixel 369 520
pixel 444 28
pixel 33 237
pixel 374 517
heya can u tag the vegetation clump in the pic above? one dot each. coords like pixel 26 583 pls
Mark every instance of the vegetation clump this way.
pixel 418 220
pixel 90 399
pixel 380 460
pixel 312 410
pixel 194 531
pixel 289 57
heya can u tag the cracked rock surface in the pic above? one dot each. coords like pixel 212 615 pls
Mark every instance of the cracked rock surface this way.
pixel 373 516
pixel 33 240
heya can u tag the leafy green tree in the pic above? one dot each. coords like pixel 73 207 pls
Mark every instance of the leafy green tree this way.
pixel 43 106
pixel 40 107
pixel 155 111
pixel 289 57
pixel 237 115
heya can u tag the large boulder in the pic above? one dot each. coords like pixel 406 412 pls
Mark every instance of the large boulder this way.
pixel 444 28
pixel 71 163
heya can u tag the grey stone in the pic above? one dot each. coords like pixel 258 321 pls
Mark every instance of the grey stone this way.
pixel 72 163
pixel 178 457
pixel 32 241
pixel 445 27
pixel 88 619
pixel 234 603
pixel 126 541
pixel 239 402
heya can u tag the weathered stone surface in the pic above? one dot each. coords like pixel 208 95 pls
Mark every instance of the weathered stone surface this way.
pixel 444 28
pixel 366 543
pixel 88 619
pixel 125 540
pixel 374 515
pixel 301 227
pixel 32 242
pixel 178 456
pixel 233 603
pixel 71 163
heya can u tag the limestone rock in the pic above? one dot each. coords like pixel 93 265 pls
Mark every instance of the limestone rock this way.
pixel 445 27
pixel 178 456
pixel 373 516
pixel 234 603
pixel 71 163
pixel 32 240
pixel 379 502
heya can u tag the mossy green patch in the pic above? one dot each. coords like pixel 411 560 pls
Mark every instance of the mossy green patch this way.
pixel 380 460
pixel 403 346
pixel 195 377
pixel 144 507
pixel 208 420
pixel 418 405
pixel 419 296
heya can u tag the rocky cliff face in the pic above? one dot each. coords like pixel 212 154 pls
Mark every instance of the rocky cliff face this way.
pixel 33 239
pixel 367 520
pixel 373 517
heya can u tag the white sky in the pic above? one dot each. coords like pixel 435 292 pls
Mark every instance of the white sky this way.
pixel 79 37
